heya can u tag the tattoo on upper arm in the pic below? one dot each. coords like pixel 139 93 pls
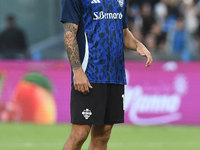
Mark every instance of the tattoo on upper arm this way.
pixel 71 44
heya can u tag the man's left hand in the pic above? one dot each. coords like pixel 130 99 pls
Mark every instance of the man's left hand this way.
pixel 143 51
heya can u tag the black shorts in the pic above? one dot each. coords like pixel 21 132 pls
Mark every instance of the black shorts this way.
pixel 103 105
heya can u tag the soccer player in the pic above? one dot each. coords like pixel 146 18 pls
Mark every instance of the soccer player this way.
pixel 95 32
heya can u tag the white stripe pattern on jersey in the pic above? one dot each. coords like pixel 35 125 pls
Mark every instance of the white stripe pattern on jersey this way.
pixel 86 56
pixel 95 1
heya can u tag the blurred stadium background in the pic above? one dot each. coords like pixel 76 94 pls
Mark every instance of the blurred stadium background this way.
pixel 161 103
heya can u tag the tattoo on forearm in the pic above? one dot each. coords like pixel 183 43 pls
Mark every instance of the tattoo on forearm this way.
pixel 71 45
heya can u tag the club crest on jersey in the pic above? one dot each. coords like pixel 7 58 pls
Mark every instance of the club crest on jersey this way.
pixel 121 2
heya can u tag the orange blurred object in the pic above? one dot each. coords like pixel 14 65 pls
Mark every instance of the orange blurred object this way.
pixel 36 104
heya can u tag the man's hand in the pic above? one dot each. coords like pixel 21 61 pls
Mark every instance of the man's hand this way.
pixel 130 42
pixel 142 50
pixel 81 82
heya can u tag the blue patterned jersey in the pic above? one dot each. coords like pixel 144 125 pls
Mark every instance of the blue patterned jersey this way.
pixel 100 37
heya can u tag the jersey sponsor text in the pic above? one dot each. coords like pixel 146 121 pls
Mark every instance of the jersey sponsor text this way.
pixel 102 15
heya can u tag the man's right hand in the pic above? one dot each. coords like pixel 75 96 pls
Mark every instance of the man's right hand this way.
pixel 81 82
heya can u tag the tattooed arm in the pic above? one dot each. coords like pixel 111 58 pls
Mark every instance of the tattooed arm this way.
pixel 81 82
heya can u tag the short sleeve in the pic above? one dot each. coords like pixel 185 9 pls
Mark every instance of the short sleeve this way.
pixel 71 11
pixel 125 22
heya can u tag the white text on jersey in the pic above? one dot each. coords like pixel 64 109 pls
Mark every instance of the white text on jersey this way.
pixel 101 15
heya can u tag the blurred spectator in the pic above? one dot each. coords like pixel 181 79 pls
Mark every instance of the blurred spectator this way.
pixel 179 40
pixel 190 13
pixel 198 30
pixel 173 7
pixel 160 36
pixel 150 42
pixel 12 41
pixel 147 18
pixel 198 35
pixel 134 17
pixel 167 27
pixel 198 40
pixel 161 10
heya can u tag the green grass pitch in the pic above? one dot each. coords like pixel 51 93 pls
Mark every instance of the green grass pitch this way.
pixel 124 137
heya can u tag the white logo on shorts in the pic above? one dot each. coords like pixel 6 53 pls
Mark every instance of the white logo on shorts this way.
pixel 87 113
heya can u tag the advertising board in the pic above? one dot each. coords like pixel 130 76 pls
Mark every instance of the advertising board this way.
pixel 165 93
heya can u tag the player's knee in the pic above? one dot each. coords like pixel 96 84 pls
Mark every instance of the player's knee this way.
pixel 80 137
pixel 106 136
pixel 103 137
